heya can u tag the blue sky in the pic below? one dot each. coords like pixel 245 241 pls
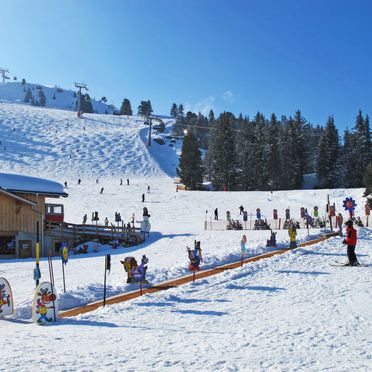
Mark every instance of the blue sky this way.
pixel 228 55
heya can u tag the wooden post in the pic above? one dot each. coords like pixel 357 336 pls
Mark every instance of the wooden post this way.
pixel 193 276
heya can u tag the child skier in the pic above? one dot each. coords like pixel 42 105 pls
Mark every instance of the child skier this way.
pixel 351 240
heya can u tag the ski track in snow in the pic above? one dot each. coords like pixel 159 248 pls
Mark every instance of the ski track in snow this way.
pixel 289 312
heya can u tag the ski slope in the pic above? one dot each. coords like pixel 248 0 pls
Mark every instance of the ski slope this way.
pixel 55 144
pixel 56 97
pixel 290 312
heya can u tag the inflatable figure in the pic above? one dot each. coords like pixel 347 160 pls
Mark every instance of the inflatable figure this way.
pixel 195 257
pixel 136 274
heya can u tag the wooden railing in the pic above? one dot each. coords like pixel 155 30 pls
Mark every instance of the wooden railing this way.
pixel 66 230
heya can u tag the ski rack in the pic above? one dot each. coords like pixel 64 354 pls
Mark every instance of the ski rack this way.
pixel 185 279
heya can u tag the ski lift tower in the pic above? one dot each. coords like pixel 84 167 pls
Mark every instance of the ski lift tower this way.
pixel 80 86
pixel 3 73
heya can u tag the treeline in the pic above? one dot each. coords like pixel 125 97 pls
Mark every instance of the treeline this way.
pixel 270 153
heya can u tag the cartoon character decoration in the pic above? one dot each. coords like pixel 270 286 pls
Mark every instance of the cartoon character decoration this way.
pixel 292 232
pixel 195 257
pixel 243 246
pixel 275 214
pixel 45 304
pixel 302 212
pixel 367 209
pixel 272 241
pixel 349 205
pixel 287 214
pixel 6 298
pixel 136 273
pixel 332 211
pixel 258 213
pixel 316 212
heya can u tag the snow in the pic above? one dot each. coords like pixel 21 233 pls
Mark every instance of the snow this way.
pixel 16 182
pixel 64 98
pixel 289 312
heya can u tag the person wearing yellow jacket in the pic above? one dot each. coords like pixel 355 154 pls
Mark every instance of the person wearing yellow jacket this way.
pixel 292 232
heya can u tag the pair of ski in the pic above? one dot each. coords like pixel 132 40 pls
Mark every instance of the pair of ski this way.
pixel 336 263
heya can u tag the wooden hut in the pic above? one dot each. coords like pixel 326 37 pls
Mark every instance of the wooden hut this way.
pixel 22 209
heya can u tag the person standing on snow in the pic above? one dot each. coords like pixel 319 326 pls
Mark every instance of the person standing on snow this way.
pixel 216 214
pixel 241 208
pixel 351 240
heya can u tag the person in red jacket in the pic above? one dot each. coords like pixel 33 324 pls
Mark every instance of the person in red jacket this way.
pixel 351 240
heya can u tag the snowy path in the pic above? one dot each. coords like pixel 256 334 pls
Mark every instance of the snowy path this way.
pixel 293 311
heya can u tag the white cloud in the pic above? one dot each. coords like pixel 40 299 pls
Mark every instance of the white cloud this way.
pixel 203 106
pixel 228 96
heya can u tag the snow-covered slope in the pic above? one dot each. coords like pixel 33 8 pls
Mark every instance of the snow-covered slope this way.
pixel 290 312
pixel 56 144
pixel 56 97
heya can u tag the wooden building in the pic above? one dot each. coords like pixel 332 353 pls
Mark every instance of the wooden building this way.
pixel 22 209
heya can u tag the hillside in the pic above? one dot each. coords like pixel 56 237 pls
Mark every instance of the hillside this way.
pixel 56 97
pixel 55 144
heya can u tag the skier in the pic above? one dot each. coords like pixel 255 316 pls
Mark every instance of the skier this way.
pixel 127 181
pixel 351 240
pixel 228 216
pixel 102 190
pixel 85 219
pixel 148 189
pixel 66 184
pixel 106 222
pixel 97 180
pixel 143 198
pixel 121 181
pixel 216 214
pixel 79 181
pixel 258 213
pixel 241 208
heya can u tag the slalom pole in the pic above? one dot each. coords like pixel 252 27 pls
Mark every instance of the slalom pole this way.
pixel 51 276
pixel 63 273
pixel 140 288
pixel 193 276
pixel 104 286
pixel 37 254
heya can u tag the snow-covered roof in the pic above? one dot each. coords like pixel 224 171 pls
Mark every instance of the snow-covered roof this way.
pixel 26 184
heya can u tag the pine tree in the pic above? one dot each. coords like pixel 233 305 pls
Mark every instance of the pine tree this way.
pixel 145 109
pixel 86 104
pixel 190 166
pixel 28 96
pixel 174 111
pixel 275 166
pixel 329 166
pixel 245 149
pixel 367 181
pixel 223 153
pixel 126 107
pixel 42 98
pixel 359 154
